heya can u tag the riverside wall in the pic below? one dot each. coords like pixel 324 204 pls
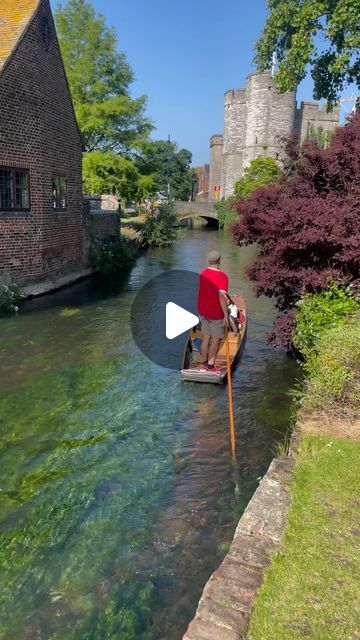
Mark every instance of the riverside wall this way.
pixel 225 606
pixel 101 221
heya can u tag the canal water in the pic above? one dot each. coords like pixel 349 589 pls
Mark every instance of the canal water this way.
pixel 118 497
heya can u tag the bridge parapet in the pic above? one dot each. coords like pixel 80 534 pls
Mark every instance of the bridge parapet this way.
pixel 195 210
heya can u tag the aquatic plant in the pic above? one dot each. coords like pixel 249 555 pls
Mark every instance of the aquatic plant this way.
pixel 112 255
pixel 10 298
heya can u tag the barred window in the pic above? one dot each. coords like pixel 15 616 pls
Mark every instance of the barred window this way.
pixel 14 189
pixel 60 200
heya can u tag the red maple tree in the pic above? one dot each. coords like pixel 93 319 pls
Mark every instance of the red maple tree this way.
pixel 308 226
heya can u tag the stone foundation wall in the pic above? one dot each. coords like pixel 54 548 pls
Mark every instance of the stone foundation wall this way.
pixel 228 597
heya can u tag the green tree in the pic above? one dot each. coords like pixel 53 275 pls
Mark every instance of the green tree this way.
pixel 99 79
pixel 161 231
pixel 169 167
pixel 322 33
pixel 226 212
pixel 106 172
pixel 260 173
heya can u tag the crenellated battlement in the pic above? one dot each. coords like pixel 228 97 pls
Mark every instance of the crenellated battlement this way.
pixel 256 119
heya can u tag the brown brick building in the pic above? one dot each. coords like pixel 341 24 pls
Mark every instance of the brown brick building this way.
pixel 42 228
pixel 202 182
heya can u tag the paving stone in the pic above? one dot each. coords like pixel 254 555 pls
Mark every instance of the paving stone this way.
pixel 252 551
pixel 200 630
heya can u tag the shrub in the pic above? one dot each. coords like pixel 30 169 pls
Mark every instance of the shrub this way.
pixel 226 212
pixel 160 231
pixel 334 370
pixel 318 313
pixel 110 256
pixel 260 173
pixel 10 298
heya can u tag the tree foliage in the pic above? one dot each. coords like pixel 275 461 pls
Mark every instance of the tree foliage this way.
pixel 260 172
pixel 106 172
pixel 99 79
pixel 226 212
pixel 160 231
pixel 322 33
pixel 169 168
pixel 307 228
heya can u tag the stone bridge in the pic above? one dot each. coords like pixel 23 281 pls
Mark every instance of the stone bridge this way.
pixel 185 210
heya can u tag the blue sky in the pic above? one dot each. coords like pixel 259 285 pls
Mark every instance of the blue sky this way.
pixel 185 55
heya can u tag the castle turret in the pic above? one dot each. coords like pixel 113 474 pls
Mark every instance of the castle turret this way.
pixel 234 138
pixel 270 116
pixel 256 121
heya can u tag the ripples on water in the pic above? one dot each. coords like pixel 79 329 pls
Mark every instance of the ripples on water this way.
pixel 117 493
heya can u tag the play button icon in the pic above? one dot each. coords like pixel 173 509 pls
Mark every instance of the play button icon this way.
pixel 163 312
pixel 178 320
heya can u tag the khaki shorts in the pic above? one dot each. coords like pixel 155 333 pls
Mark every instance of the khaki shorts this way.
pixel 213 328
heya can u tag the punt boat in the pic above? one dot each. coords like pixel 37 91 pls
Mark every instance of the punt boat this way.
pixel 191 365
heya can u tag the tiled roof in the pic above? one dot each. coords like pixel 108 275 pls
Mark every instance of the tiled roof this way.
pixel 15 15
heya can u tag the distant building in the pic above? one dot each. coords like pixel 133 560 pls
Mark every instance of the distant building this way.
pixel 42 226
pixel 256 119
pixel 201 191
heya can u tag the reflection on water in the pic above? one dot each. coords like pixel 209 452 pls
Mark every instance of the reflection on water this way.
pixel 117 493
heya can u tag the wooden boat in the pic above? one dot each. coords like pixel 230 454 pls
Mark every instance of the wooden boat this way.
pixel 192 357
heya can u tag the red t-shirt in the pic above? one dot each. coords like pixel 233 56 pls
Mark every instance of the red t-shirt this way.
pixel 211 282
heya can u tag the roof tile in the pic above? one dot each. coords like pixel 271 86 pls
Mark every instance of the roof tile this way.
pixel 15 15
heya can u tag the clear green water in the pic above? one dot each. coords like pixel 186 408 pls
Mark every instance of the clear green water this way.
pixel 117 491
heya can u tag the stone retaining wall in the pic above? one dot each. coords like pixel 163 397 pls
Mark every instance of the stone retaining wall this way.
pixel 103 224
pixel 228 597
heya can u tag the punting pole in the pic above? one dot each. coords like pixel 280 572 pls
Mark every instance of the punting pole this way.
pixel 231 410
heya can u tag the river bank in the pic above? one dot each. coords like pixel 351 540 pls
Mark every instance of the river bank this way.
pixel 303 521
pixel 311 587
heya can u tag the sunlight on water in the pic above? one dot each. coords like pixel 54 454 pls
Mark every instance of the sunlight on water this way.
pixel 117 492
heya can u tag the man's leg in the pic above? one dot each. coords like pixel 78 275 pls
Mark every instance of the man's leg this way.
pixel 213 350
pixel 205 348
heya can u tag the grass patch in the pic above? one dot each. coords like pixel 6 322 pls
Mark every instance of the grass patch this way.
pixel 136 222
pixel 311 588
pixel 334 371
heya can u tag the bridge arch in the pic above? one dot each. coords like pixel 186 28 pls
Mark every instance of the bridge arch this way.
pixel 188 210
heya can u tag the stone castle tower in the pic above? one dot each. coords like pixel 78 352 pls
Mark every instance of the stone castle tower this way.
pixel 256 118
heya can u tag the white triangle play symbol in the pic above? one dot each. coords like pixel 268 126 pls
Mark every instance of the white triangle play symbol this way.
pixel 178 320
